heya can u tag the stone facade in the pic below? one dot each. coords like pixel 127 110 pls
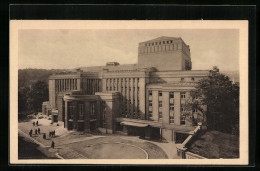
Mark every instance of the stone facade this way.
pixel 151 93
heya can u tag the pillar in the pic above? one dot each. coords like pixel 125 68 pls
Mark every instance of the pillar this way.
pixel 124 95
pixel 155 105
pixel 136 90
pixel 66 114
pixel 132 95
pixel 127 95
pixel 165 110
pixel 177 108
pixel 78 84
pixel 142 97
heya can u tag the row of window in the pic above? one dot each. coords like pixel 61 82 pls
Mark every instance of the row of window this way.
pixel 80 111
pixel 114 84
pixel 66 84
pixel 171 94
pixel 152 49
pixel 91 85
pixel 159 43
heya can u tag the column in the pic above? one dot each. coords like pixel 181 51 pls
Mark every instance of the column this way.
pixel 127 94
pixel 132 95
pixel 166 109
pixel 142 97
pixel 78 84
pixel 124 95
pixel 66 115
pixel 155 105
pixel 177 108
pixel 108 84
pixel 116 84
pixel 136 90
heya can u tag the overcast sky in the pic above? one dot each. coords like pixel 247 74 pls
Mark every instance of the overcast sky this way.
pixel 67 49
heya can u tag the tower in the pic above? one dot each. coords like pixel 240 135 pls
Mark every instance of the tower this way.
pixel 165 53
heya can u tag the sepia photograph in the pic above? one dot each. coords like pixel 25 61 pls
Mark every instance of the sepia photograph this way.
pixel 94 92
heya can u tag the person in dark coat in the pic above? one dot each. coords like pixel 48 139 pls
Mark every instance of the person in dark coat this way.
pixel 52 144
pixel 54 133
pixel 30 132
pixel 37 123
pixel 33 123
pixel 44 136
pixel 50 134
pixel 35 131
pixel 39 130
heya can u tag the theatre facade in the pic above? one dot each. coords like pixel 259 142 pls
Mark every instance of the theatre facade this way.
pixel 145 99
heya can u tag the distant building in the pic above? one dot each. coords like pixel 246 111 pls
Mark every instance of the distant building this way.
pixel 145 99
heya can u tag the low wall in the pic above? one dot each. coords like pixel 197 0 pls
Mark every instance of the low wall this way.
pixel 190 155
pixel 183 147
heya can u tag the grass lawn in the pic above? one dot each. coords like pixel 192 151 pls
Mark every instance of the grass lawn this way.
pixel 215 144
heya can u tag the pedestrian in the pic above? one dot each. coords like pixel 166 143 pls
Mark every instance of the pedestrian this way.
pixel 30 133
pixel 37 123
pixel 50 134
pixel 39 130
pixel 44 136
pixel 33 123
pixel 52 144
pixel 35 131
pixel 54 133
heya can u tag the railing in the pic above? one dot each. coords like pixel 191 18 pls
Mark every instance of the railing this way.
pixel 182 148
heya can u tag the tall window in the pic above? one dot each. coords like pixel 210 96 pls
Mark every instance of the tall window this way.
pixel 81 109
pixel 160 103
pixel 150 103
pixel 104 114
pixel 171 107
pixel 160 93
pixel 183 95
pixel 171 95
pixel 92 109
pixel 150 114
pixel 160 114
pixel 150 93
pixel 182 107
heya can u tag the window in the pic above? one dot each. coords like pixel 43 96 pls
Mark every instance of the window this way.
pixel 160 93
pixel 167 42
pixel 183 95
pixel 155 43
pixel 92 109
pixel 152 44
pixel 159 43
pixel 150 93
pixel 81 108
pixel 160 115
pixel 182 79
pixel 150 103
pixel 150 114
pixel 160 103
pixel 195 110
pixel 171 119
pixel 171 41
pixel 171 107
pixel 163 42
pixel 192 78
pixel 145 44
pixel 182 108
pixel 172 95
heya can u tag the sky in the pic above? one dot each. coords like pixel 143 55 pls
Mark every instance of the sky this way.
pixel 68 49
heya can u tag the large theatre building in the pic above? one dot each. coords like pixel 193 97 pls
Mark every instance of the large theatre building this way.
pixel 145 99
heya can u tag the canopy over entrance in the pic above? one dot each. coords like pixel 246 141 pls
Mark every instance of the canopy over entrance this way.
pixel 134 124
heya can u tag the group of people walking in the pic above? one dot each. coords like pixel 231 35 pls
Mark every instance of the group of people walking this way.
pixel 38 131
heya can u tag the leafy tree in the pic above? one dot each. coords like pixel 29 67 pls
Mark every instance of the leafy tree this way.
pixel 38 94
pixel 23 94
pixel 222 100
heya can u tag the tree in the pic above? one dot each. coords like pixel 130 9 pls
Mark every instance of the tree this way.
pixel 23 94
pixel 38 94
pixel 222 100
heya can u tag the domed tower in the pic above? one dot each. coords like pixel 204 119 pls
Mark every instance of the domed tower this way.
pixel 165 53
